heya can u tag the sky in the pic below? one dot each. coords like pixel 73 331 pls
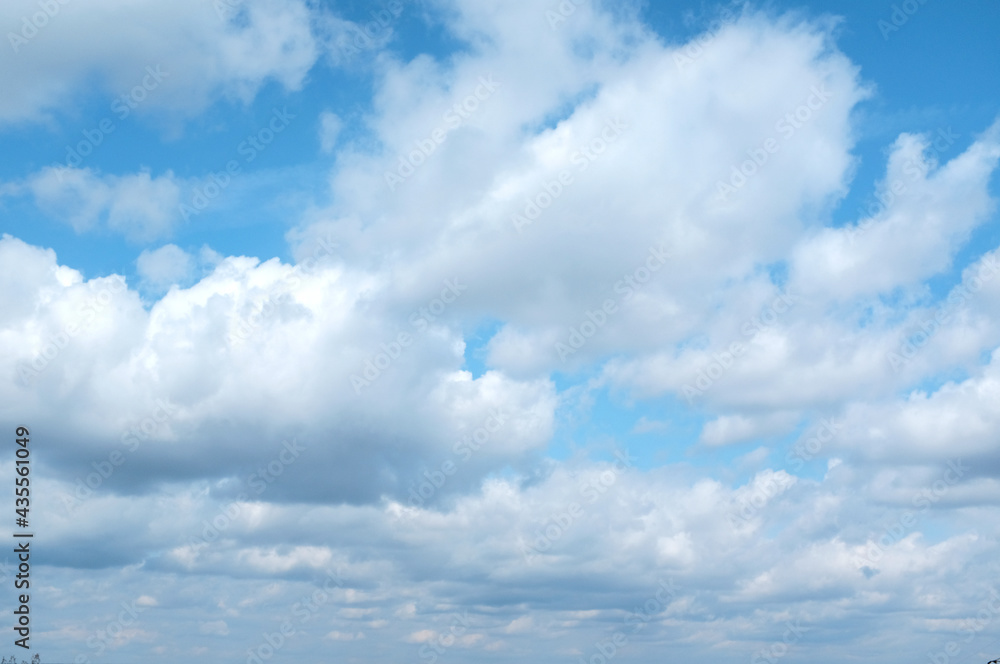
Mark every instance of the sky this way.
pixel 455 331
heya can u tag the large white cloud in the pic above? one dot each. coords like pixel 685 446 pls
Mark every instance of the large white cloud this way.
pixel 254 354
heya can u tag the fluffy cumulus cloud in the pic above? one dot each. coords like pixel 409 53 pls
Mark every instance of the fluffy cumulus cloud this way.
pixel 308 442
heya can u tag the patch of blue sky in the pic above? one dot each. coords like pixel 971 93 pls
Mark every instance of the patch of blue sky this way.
pixel 912 81
pixel 596 422
pixel 476 345
pixel 866 317
pixel 419 30
pixel 932 384
pixel 563 112
pixel 778 272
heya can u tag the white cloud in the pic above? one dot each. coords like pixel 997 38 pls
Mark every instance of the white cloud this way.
pixel 139 206
pixel 165 266
pixel 202 351
pixel 645 425
pixel 77 196
pixel 215 627
pixel 655 525
pixel 730 429
pixel 931 211
pixel 329 130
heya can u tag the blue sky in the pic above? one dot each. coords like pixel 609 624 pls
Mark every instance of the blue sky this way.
pixel 376 248
pixel 922 76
